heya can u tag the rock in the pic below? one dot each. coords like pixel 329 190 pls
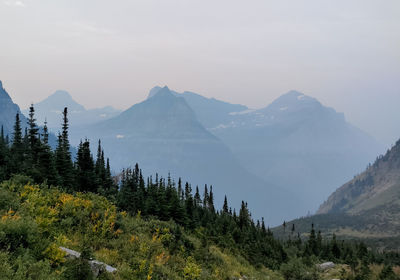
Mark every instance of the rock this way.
pixel 95 265
pixel 326 265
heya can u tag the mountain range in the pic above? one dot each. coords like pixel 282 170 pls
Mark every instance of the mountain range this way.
pixel 295 143
pixel 50 110
pixel 284 159
pixel 163 135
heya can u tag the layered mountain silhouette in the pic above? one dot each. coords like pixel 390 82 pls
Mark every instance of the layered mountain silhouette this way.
pixel 295 142
pixel 298 143
pixel 51 108
pixel 284 159
pixel 164 135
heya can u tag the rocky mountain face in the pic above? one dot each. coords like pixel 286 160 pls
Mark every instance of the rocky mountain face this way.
pixel 8 111
pixel 51 108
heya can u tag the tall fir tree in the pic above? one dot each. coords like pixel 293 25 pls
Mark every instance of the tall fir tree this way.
pixel 64 163
pixel 17 147
pixel 86 176
pixel 46 160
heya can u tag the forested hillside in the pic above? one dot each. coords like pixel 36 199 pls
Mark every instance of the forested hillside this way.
pixel 367 207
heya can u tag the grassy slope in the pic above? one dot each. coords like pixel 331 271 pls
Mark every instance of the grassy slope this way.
pixel 38 220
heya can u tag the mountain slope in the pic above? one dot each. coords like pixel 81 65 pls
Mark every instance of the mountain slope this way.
pixel 163 135
pixel 378 189
pixel 8 111
pixel 50 109
pixel 367 207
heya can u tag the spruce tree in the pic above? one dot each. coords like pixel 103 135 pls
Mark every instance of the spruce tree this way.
pixel 86 176
pixel 33 133
pixel 17 147
pixel 46 160
pixel 211 201
pixel 63 156
pixel 225 208
pixel 4 156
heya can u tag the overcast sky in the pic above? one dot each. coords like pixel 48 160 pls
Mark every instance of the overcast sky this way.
pixel 345 53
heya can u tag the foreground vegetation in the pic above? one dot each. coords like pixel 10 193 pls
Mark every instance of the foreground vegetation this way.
pixel 147 229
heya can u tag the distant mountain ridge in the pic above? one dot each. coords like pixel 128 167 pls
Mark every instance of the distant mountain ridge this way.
pixel 50 109
pixel 298 143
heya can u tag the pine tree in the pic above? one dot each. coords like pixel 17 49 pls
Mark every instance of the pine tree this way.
pixel 46 161
pixel 17 147
pixel 4 157
pixel 64 163
pixel 197 197
pixel 86 176
pixel 211 201
pixel 225 208
pixel 33 133
pixel 244 216
pixel 205 197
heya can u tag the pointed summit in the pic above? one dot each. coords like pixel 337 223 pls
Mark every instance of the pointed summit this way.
pixel 163 91
pixel 153 91
pixel 58 100
pixel 3 93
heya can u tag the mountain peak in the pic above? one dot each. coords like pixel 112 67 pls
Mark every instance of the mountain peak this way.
pixel 3 92
pixel 157 90
pixel 62 94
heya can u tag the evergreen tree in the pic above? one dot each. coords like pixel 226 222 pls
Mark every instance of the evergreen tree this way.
pixel 4 157
pixel 205 197
pixel 46 162
pixel 225 208
pixel 197 197
pixel 86 176
pixel 33 134
pixel 64 163
pixel 17 147
pixel 211 201
pixel 244 216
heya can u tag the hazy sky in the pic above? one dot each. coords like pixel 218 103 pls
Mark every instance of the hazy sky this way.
pixel 345 53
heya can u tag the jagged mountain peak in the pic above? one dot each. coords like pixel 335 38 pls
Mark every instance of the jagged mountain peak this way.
pixel 3 92
pixel 155 90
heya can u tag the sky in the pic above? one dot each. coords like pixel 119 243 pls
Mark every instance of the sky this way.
pixel 345 53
